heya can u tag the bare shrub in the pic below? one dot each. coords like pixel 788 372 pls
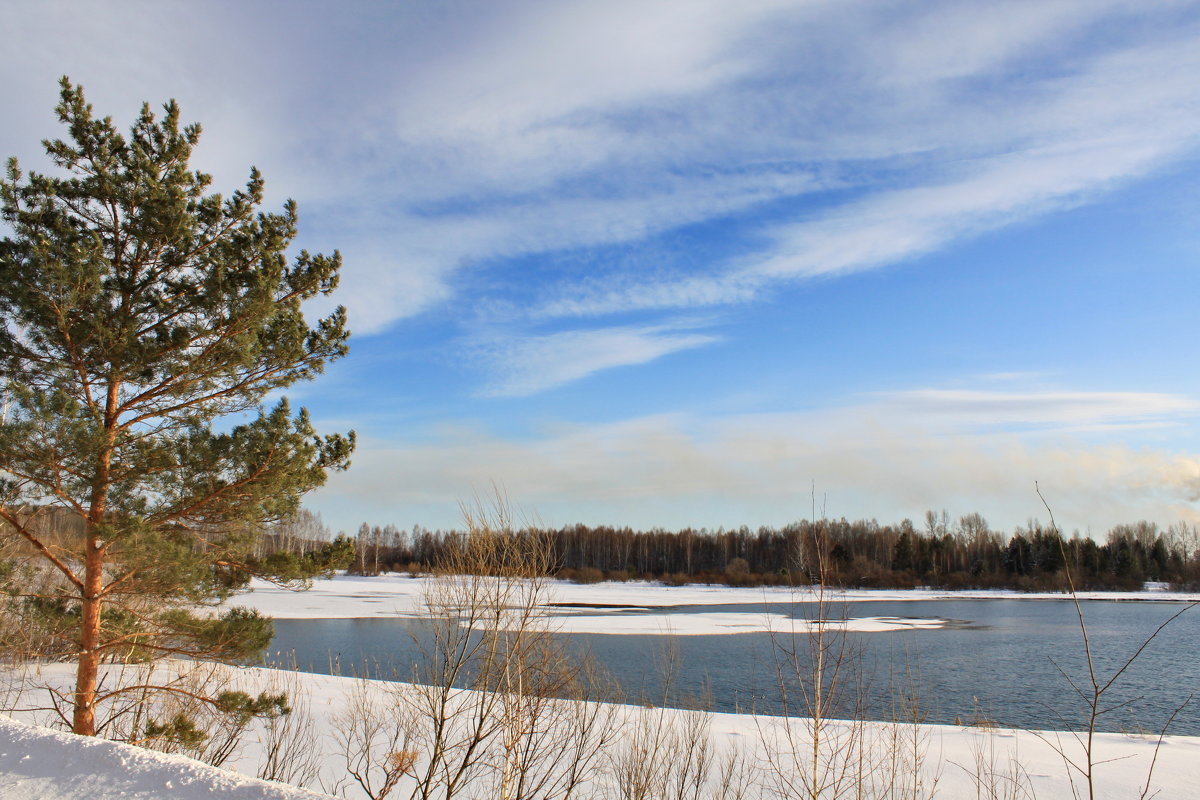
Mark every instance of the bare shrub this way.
pixel 900 748
pixel 587 575
pixel 736 778
pixel 375 734
pixel 497 706
pixel 1081 758
pixel 290 741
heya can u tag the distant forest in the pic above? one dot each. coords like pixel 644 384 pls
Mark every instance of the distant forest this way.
pixel 962 554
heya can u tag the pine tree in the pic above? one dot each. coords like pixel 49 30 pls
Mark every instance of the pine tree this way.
pixel 143 322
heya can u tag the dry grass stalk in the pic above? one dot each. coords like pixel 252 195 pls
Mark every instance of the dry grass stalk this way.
pixel 996 773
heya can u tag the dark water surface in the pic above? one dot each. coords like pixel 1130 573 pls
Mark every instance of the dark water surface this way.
pixel 999 660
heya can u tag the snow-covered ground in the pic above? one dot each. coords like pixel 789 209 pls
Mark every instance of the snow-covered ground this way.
pixel 41 764
pixel 36 763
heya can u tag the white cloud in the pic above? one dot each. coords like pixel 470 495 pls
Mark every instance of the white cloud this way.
pixel 973 164
pixel 889 458
pixel 1037 409
pixel 528 101
pixel 427 142
pixel 532 364
pixel 597 297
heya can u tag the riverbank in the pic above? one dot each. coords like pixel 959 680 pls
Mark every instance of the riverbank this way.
pixel 35 762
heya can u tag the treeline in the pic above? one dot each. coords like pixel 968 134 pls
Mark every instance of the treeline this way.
pixel 962 554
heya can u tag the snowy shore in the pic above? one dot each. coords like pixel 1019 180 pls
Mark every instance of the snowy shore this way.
pixel 40 763
pixel 51 765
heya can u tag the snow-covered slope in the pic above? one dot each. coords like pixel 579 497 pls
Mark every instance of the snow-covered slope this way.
pixel 41 764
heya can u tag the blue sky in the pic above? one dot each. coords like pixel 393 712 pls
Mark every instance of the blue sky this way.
pixel 676 262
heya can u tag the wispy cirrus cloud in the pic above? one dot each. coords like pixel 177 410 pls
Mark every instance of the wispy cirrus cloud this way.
pixel 430 143
pixel 1033 152
pixel 527 365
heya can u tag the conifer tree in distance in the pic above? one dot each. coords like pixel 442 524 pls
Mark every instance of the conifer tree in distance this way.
pixel 143 322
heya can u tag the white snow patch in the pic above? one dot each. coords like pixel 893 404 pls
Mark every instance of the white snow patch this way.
pixel 348 597
pixel 871 624
pixel 42 764
pixel 706 624
pixel 722 622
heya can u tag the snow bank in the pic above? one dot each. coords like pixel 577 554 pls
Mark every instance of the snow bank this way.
pixel 40 764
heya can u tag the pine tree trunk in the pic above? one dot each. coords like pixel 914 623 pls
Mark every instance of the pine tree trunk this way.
pixel 84 721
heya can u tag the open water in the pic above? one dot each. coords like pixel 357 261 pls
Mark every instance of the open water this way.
pixel 1016 663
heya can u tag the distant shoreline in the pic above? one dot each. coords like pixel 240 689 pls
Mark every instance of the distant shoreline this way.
pixel 400 595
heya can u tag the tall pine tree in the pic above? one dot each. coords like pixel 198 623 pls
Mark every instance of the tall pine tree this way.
pixel 143 322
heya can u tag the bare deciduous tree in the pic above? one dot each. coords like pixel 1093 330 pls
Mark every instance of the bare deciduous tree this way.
pixel 811 753
pixel 496 704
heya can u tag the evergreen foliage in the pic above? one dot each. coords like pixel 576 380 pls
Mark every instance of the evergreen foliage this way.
pixel 143 323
